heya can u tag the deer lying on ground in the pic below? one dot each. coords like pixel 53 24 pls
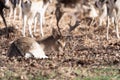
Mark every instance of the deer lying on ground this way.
pixel 2 6
pixel 14 4
pixel 28 47
pixel 30 9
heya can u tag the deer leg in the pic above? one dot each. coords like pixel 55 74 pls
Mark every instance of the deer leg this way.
pixel 11 12
pixel 35 24
pixel 100 21
pixel 30 21
pixel 41 22
pixel 108 27
pixel 20 12
pixel 116 26
pixel 2 15
pixel 24 24
pixel 14 14
pixel 43 17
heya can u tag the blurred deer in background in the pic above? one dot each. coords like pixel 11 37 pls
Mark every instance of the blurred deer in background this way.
pixel 117 15
pixel 15 6
pixel 94 13
pixel 69 7
pixel 2 6
pixel 30 9
pixel 111 10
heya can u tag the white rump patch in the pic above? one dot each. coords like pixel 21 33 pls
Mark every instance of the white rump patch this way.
pixel 37 51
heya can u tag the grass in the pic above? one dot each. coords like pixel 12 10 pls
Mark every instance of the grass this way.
pixel 106 73
pixel 39 78
pixel 9 75
pixel 102 78
pixel 100 74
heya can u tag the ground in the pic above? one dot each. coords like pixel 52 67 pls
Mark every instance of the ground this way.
pixel 88 55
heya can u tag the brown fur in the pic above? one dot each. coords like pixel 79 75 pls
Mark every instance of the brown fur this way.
pixel 53 41
pixel 25 45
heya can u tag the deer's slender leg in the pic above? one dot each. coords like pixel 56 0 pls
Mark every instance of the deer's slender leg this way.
pixel 24 24
pixel 116 26
pixel 35 24
pixel 30 21
pixel 2 15
pixel 41 21
pixel 108 27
